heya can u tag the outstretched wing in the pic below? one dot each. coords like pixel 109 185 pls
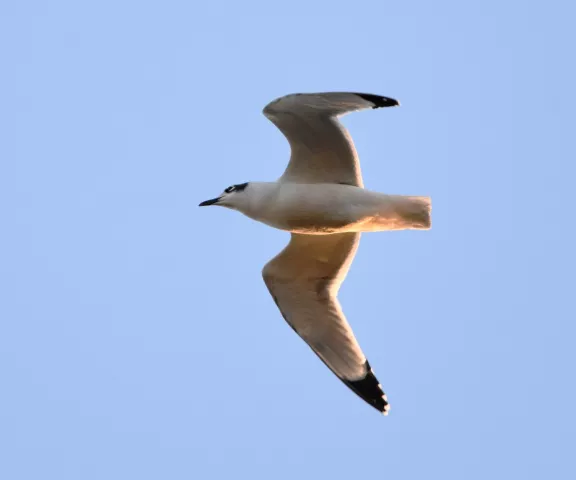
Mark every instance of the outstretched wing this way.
pixel 304 280
pixel 322 149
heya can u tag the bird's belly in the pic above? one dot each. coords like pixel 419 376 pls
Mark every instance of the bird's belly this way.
pixel 314 218
pixel 314 224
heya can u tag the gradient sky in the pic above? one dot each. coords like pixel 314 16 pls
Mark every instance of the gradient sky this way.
pixel 137 338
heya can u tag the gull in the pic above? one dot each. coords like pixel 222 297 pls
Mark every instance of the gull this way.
pixel 320 199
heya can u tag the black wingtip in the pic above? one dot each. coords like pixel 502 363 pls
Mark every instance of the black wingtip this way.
pixel 369 390
pixel 379 101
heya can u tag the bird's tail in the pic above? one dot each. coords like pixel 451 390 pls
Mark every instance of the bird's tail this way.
pixel 415 211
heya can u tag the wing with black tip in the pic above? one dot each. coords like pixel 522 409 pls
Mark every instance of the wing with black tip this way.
pixel 322 150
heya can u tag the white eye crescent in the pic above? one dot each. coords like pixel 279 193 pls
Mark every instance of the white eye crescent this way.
pixel 230 189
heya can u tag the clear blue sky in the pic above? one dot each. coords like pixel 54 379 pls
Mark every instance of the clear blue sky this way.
pixel 137 339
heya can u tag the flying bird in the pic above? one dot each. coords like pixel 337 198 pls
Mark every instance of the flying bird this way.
pixel 320 199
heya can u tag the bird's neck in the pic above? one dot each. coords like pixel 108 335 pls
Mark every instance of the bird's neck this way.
pixel 260 196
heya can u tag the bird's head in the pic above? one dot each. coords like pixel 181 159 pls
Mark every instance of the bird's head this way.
pixel 235 197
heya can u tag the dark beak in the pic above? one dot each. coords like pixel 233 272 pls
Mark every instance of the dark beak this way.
pixel 391 102
pixel 209 202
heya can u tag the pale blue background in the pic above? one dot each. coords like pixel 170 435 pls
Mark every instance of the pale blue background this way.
pixel 137 339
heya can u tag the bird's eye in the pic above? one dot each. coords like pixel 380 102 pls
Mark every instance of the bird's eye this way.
pixel 230 189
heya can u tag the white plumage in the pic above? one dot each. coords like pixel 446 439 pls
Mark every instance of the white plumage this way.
pixel 320 199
